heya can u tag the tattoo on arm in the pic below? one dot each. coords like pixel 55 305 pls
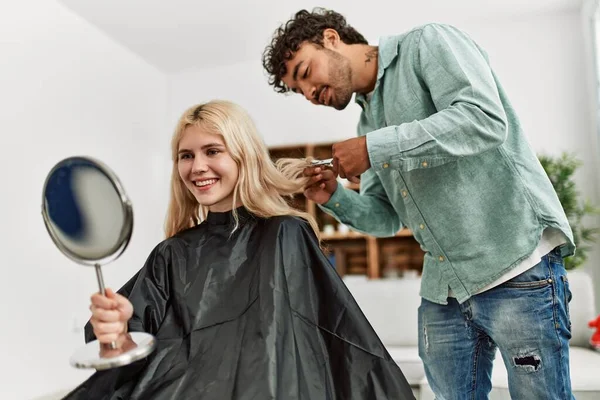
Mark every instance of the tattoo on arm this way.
pixel 371 55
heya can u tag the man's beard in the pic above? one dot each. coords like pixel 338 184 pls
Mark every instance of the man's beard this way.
pixel 340 78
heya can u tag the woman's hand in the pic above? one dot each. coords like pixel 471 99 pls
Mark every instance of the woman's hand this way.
pixel 110 314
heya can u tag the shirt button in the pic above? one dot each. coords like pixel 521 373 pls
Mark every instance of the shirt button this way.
pixel 422 226
pixel 404 193
pixel 424 164
pixel 441 258
pixel 385 165
pixel 337 204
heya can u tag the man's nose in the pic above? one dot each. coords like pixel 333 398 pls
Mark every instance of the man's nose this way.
pixel 310 92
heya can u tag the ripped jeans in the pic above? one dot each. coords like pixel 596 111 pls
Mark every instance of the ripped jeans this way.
pixel 526 319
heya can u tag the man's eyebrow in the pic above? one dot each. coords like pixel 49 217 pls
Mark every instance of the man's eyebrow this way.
pixel 296 68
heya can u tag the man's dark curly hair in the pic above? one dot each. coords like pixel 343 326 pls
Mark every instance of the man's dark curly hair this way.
pixel 304 27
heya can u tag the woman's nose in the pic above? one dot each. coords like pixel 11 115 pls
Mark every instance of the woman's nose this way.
pixel 199 166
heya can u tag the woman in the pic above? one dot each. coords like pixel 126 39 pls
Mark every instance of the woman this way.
pixel 240 297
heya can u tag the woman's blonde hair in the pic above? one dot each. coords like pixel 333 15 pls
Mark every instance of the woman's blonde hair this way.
pixel 262 186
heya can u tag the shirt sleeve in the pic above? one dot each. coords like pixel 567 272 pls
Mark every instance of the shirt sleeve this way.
pixel 470 117
pixel 369 212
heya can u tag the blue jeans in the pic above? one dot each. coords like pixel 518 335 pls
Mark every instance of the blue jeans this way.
pixel 526 318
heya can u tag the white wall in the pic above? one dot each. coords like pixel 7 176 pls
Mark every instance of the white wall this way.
pixel 539 59
pixel 66 89
pixel 592 71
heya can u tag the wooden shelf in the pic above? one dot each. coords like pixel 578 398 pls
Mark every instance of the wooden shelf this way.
pixel 354 253
pixel 342 236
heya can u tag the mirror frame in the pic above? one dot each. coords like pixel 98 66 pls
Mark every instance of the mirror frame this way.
pixel 126 231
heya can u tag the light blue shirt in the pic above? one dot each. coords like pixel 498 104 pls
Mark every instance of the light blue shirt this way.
pixel 450 162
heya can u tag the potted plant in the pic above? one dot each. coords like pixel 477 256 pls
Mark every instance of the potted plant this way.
pixel 560 170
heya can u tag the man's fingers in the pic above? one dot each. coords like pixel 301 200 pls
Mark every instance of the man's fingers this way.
pixel 311 191
pixel 314 187
pixel 354 179
pixel 336 166
pixel 328 175
pixel 341 172
pixel 318 178
pixel 310 171
pixel 315 179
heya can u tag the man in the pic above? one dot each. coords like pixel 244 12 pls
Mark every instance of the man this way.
pixel 441 151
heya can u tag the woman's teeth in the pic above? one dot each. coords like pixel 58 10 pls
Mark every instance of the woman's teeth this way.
pixel 206 182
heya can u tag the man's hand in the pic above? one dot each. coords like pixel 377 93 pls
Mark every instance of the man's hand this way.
pixel 321 185
pixel 350 158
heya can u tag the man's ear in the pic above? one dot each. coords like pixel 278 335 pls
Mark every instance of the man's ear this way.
pixel 331 39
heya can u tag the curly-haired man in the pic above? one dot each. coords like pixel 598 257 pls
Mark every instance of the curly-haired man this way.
pixel 441 151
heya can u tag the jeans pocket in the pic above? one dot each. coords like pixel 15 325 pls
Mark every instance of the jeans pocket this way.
pixel 527 285
pixel 567 296
pixel 536 277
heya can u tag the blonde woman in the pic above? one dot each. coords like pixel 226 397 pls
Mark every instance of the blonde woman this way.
pixel 240 297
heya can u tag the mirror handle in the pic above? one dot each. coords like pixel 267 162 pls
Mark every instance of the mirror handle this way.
pixel 98 267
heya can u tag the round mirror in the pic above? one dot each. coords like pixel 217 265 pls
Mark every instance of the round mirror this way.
pixel 86 211
pixel 90 219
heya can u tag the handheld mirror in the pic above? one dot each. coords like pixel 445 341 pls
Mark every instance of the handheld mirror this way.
pixel 90 219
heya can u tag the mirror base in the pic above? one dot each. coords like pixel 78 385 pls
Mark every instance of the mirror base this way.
pixel 92 355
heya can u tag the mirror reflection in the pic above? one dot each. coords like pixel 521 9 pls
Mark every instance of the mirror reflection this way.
pixel 84 210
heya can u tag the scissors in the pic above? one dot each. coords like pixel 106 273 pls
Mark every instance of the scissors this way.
pixel 324 163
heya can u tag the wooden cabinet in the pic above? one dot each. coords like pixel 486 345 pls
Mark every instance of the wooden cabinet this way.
pixel 353 253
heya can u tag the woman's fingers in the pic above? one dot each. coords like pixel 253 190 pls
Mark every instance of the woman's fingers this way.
pixel 111 307
pixel 100 301
pixel 124 307
pixel 104 328
pixel 107 332
pixel 104 315
pixel 107 338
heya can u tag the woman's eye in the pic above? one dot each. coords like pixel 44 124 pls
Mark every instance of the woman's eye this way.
pixel 185 156
pixel 212 152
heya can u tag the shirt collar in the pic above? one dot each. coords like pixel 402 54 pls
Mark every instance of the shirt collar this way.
pixel 387 51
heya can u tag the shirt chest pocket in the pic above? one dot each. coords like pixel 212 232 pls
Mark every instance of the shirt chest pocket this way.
pixel 402 105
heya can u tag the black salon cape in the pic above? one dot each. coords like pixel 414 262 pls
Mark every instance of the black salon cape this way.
pixel 258 314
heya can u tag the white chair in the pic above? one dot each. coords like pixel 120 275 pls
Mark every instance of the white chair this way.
pixel 391 306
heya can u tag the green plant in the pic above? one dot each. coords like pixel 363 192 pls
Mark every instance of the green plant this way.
pixel 560 170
